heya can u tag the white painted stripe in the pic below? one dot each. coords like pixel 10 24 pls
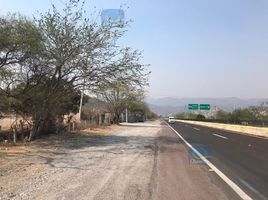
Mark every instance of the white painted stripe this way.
pixel 196 129
pixel 234 186
pixel 252 188
pixel 226 138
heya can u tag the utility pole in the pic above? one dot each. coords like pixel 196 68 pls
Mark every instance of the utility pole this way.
pixel 81 102
pixel 126 114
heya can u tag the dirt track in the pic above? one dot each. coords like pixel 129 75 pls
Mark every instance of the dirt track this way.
pixel 146 161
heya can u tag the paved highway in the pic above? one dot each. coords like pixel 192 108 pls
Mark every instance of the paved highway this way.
pixel 242 158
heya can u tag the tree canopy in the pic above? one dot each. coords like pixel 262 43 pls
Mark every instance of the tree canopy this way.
pixel 46 61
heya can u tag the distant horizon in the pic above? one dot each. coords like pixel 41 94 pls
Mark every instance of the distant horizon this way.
pixel 174 97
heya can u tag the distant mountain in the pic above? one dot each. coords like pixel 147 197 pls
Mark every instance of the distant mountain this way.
pixel 165 110
pixel 171 105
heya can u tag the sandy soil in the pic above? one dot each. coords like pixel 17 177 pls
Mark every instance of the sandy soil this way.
pixel 5 123
pixel 133 161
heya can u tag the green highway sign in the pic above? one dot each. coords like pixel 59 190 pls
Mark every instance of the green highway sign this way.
pixel 193 106
pixel 204 107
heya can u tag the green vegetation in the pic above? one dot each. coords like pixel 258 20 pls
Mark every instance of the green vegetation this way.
pixel 252 115
pixel 119 96
pixel 141 109
pixel 46 61
pixel 192 116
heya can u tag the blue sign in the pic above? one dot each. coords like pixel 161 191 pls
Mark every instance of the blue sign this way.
pixel 113 17
pixel 202 149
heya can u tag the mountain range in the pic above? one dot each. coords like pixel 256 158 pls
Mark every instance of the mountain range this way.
pixel 171 105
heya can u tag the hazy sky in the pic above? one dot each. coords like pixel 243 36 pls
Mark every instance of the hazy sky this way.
pixel 196 48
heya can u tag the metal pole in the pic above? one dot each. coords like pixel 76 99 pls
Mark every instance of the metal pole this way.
pixel 126 115
pixel 81 104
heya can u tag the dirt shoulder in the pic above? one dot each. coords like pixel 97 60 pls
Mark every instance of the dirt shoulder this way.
pixel 113 163
pixel 132 161
pixel 249 130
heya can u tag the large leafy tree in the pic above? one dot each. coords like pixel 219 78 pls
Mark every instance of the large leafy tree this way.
pixel 21 62
pixel 45 62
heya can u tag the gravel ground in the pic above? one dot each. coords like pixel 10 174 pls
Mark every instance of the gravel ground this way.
pixel 113 164
pixel 132 161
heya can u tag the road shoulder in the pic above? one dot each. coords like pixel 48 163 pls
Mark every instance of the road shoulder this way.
pixel 177 178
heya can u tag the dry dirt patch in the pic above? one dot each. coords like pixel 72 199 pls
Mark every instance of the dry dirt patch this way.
pixel 112 163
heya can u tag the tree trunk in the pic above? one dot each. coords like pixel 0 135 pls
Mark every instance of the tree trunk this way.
pixel 39 122
pixel 116 118
pixel 33 132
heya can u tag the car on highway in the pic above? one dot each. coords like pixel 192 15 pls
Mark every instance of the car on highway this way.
pixel 171 119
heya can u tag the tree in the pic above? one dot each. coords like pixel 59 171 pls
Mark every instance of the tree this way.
pixel 82 53
pixel 20 51
pixel 260 112
pixel 20 41
pixel 242 115
pixel 20 61
pixel 118 96
pixel 222 115
pixel 200 117
pixel 186 116
pixel 141 110
pixel 44 63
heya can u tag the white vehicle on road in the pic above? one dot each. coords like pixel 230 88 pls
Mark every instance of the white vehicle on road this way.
pixel 171 119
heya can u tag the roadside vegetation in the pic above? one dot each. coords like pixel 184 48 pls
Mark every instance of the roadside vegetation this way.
pixel 45 62
pixel 253 115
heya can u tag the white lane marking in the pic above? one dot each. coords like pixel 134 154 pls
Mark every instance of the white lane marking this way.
pixel 226 138
pixel 234 186
pixel 252 188
pixel 196 129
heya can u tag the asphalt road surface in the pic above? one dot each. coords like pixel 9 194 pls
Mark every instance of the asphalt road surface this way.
pixel 242 158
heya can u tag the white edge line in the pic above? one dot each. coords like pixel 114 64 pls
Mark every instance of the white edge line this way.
pixel 234 186
pixel 226 138
pixel 252 188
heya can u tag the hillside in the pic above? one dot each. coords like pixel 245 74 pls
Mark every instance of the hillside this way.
pixel 171 105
